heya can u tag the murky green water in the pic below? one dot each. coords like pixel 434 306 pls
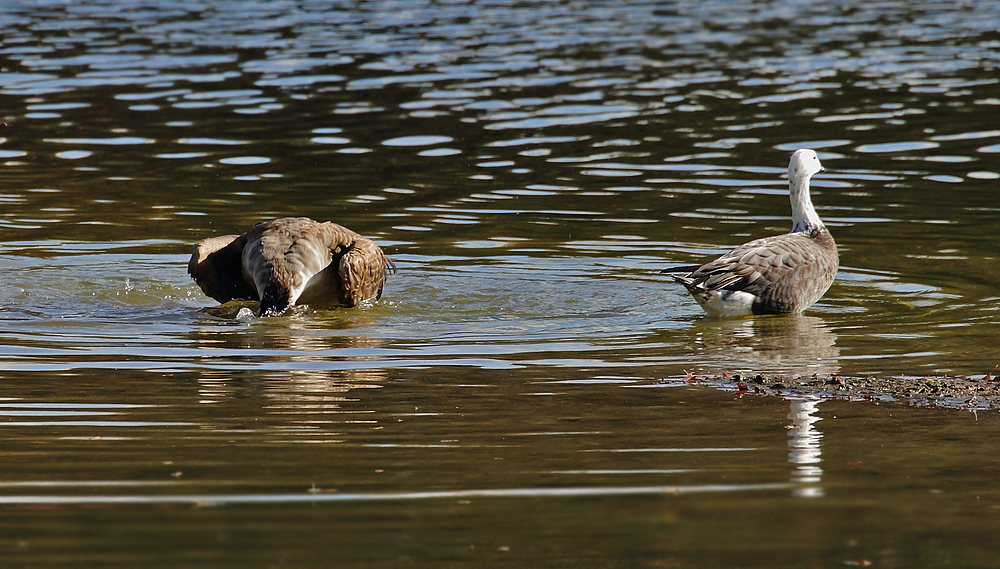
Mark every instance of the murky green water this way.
pixel 512 400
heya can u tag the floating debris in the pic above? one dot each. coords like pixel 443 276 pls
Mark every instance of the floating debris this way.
pixel 970 393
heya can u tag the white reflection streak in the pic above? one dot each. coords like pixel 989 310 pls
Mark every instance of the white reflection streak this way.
pixel 223 499
pixel 805 451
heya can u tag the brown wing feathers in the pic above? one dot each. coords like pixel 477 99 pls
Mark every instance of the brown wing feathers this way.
pixel 283 260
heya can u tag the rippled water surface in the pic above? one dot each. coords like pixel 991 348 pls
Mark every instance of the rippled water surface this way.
pixel 516 396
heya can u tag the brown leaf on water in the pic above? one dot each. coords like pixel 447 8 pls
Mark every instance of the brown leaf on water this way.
pixel 989 374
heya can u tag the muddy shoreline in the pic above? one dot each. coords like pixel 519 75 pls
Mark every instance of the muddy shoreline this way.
pixel 970 393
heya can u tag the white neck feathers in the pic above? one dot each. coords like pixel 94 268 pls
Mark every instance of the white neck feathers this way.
pixel 804 216
pixel 803 165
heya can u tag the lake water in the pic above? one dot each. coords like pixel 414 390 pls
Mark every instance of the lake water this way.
pixel 517 397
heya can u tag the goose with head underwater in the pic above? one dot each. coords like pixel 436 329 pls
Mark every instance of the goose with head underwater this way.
pixel 782 274
pixel 290 261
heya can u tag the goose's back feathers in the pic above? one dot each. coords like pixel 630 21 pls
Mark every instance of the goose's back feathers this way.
pixel 292 261
pixel 774 275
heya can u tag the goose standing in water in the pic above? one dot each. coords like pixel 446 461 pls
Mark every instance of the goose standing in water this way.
pixel 783 274
pixel 289 261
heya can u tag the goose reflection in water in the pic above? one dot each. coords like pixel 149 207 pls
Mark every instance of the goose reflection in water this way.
pixel 806 453
pixel 311 363
pixel 798 344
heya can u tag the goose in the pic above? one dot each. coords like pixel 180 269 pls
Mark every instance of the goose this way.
pixel 782 274
pixel 289 261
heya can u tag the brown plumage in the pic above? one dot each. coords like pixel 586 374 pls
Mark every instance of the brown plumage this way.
pixel 289 261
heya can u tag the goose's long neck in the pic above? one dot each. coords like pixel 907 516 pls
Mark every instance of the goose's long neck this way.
pixel 804 216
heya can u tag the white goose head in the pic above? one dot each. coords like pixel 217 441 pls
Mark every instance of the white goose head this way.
pixel 801 167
